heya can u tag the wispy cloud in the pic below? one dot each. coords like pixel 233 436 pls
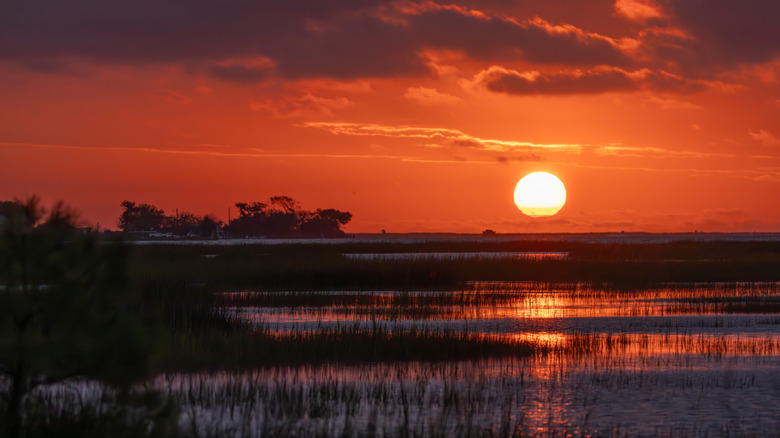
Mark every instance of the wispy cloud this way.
pixel 448 138
pixel 600 79
pixel 765 138
pixel 430 96
pixel 760 174
pixel 171 97
pixel 673 104
pixel 228 151
pixel 643 151
pixel 638 10
pixel 452 137
pixel 307 105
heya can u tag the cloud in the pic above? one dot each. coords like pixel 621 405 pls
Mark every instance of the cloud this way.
pixel 765 138
pixel 304 38
pixel 597 80
pixel 638 10
pixel 534 40
pixel 429 96
pixel 307 105
pixel 171 97
pixel 677 42
pixel 673 104
pixel 450 137
pixel 251 70
pixel 656 152
pixel 707 37
pixel 744 31
pixel 228 151
pixel 527 157
pixel 520 150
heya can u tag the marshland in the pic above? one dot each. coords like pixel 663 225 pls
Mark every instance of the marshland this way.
pixel 421 337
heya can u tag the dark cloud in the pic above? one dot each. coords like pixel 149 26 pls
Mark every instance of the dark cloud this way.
pixel 466 143
pixel 304 38
pixel 497 38
pixel 600 80
pixel 528 157
pixel 376 38
pixel 159 30
pixel 731 31
pixel 353 47
pixel 237 72
pixel 705 38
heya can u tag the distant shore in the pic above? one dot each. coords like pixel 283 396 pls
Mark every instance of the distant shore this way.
pixel 634 237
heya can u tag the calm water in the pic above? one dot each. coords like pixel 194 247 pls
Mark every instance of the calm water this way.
pixel 549 255
pixel 679 360
pixel 435 237
pixel 682 360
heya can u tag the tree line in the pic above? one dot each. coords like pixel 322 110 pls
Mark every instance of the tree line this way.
pixel 280 216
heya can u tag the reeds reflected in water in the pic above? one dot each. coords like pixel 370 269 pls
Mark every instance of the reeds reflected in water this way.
pixel 492 359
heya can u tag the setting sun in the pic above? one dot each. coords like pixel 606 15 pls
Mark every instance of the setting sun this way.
pixel 540 194
pixel 308 201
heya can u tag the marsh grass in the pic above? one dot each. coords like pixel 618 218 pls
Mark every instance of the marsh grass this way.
pixel 324 267
pixel 258 348
pixel 86 408
pixel 230 377
pixel 508 300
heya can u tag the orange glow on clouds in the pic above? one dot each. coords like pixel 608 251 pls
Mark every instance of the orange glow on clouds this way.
pixel 413 116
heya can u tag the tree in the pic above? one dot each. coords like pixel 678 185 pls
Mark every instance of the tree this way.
pixel 208 226
pixel 65 308
pixel 285 218
pixel 325 223
pixel 251 208
pixel 140 217
pixel 281 224
pixel 285 204
pixel 182 224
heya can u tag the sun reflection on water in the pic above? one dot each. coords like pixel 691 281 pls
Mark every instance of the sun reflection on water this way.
pixel 690 360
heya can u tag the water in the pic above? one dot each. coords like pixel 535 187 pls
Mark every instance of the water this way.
pixel 512 308
pixel 413 238
pixel 679 360
pixel 549 255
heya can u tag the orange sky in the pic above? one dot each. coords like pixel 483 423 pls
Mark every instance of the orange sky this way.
pixel 413 116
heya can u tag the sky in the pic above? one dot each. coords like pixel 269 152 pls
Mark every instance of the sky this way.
pixel 415 116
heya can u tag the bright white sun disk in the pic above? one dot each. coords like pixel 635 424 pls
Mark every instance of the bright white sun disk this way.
pixel 540 194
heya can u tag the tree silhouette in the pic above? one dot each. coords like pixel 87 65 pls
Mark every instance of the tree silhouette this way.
pixel 251 208
pixel 140 217
pixel 285 204
pixel 283 217
pixel 325 223
pixel 182 224
pixel 65 307
pixel 209 226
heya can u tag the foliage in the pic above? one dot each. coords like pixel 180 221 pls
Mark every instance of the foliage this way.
pixel 325 223
pixel 66 311
pixel 146 217
pixel 140 217
pixel 283 217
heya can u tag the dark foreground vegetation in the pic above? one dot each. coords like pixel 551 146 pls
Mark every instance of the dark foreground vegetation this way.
pixel 324 267
pixel 78 309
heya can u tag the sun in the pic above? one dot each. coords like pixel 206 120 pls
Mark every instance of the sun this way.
pixel 540 194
